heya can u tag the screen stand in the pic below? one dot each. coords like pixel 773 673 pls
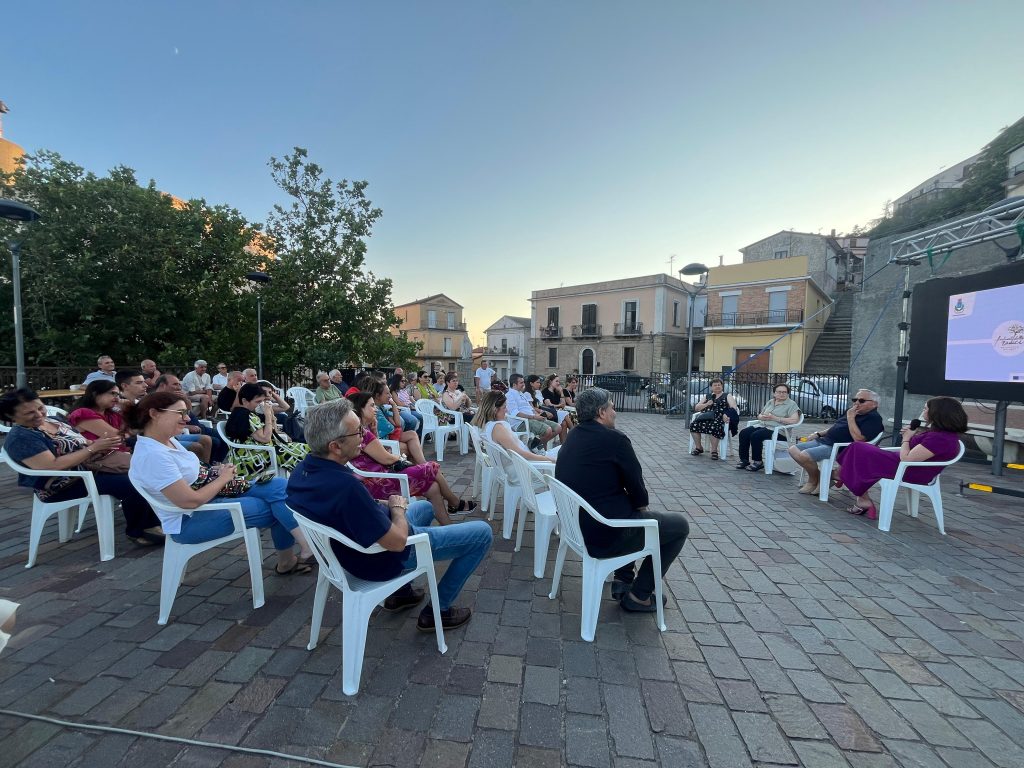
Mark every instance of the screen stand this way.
pixel 902 360
pixel 998 437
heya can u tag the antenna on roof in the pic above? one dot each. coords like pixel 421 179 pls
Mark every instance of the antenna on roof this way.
pixel 671 264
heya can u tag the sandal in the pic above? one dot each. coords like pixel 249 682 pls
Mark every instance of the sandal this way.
pixel 714 455
pixel 696 451
pixel 872 512
pixel 465 507
pixel 756 466
pixel 300 566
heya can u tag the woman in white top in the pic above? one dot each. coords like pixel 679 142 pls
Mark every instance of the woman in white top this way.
pixel 491 420
pixel 779 411
pixel 166 471
pixel 455 399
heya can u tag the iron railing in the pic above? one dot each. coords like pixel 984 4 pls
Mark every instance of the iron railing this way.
pixel 590 331
pixel 761 317
pixel 629 329
pixel 551 332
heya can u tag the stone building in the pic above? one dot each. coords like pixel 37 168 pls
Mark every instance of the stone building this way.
pixel 436 321
pixel 507 346
pixel 827 261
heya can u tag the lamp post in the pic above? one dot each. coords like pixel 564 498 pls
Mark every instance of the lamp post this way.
pixel 12 210
pixel 691 270
pixel 259 277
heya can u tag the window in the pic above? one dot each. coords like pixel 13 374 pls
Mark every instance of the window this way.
pixel 589 318
pixel 629 315
pixel 504 346
pixel 431 318
pixel 784 254
pixel 447 346
pixel 777 306
pixel 628 358
pixel 451 320
pixel 552 357
pixel 553 317
pixel 675 315
pixel 730 307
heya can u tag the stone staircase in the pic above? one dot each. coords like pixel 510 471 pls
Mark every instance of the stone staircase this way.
pixel 831 352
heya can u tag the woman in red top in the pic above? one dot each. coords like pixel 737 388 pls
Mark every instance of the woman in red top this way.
pixel 95 415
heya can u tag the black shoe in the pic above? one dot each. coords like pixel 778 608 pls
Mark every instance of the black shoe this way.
pixel 450 619
pixel 757 466
pixel 619 588
pixel 629 603
pixel 743 465
pixel 404 598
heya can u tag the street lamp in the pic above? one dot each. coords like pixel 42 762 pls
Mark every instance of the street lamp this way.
pixel 259 277
pixel 12 210
pixel 691 270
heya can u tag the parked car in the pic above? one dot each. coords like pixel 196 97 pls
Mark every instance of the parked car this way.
pixel 698 387
pixel 820 397
pixel 621 381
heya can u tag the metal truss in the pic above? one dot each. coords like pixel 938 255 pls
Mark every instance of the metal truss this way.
pixel 1005 219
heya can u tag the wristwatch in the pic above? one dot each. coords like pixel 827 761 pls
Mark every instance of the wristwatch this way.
pixel 403 505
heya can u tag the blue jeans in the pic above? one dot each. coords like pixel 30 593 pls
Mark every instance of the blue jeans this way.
pixel 263 506
pixel 465 544
pixel 411 421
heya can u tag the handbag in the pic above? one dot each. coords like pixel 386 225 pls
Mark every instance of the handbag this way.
pixel 400 466
pixel 112 462
pixel 208 473
pixel 705 416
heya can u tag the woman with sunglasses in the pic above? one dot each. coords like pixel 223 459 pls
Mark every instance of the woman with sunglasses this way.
pixel 412 421
pixel 166 471
pixel 40 442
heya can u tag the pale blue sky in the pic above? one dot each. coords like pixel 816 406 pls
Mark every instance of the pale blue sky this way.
pixel 515 146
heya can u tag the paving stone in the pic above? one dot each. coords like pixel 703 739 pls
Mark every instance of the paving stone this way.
pixel 539 726
pixel 455 718
pixel 579 659
pixel 628 726
pixel 200 709
pixel 717 734
pixel 795 718
pixel 466 680
pixel 912 754
pixel 665 708
pixel 877 712
pixel 586 741
pixel 543 652
pixel 819 754
pixel 763 739
pixel 505 669
pixel 696 683
pixel 769 677
pixel 444 754
pixel 846 727
pixel 88 696
pixel 258 695
pixel 398 748
pixel 499 707
pixel 415 709
pixel 679 753
pixel 583 695
pixel 724 663
pixel 617 667
pixel 244 665
pixel 889 685
pixel 814 687
pixel 542 685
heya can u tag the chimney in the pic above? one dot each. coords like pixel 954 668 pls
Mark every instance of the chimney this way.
pixel 833 233
pixel 721 259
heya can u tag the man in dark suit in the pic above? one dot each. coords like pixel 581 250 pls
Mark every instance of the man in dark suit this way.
pixel 598 462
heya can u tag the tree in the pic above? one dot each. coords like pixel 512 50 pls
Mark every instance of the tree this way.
pixel 322 308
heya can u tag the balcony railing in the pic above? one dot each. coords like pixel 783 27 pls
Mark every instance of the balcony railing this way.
pixel 1018 168
pixel 445 327
pixel 506 352
pixel 629 329
pixel 592 331
pixel 551 332
pixel 762 317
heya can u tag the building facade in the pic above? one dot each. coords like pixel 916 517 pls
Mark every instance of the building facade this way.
pixel 636 324
pixel 826 259
pixel 507 345
pixel 1015 172
pixel 752 305
pixel 938 185
pixel 436 322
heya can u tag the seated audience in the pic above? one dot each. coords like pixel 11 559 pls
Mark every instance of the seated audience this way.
pixel 780 410
pixel 326 491
pixel 253 421
pixel 425 478
pixel 40 442
pixel 570 390
pixel 861 423
pixel 132 385
pixel 521 406
pixel 325 391
pixel 149 372
pixel 96 414
pixel 863 464
pixel 709 419
pixel 552 399
pixel 104 371
pixel 201 440
pixel 220 380
pixel 168 472
pixel 412 420
pixel 227 398
pixel 599 463
pixel 490 417
pixel 338 380
pixel 424 389
pixel 389 421
pixel 454 399
pixel 199 388
pixel 250 376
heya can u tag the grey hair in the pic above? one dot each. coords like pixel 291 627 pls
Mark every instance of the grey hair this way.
pixel 198 363
pixel 872 395
pixel 324 374
pixel 248 370
pixel 323 424
pixel 334 371
pixel 591 402
pixel 101 358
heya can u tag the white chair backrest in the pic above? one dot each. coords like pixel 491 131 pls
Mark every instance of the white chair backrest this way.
pixel 320 536
pixel 53 410
pixel 476 437
pixel 567 506
pixel 426 409
pixel 500 461
pixel 527 476
pixel 303 398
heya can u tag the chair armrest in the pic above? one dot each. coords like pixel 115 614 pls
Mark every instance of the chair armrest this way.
pixel 234 507
pixel 206 423
pixel 543 466
pixel 394 446
pixel 631 523
pixel 403 481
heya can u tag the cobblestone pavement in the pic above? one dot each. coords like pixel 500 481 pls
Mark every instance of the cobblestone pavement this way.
pixel 798 635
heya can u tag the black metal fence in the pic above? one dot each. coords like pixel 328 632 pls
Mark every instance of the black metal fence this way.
pixel 63 377
pixel 822 397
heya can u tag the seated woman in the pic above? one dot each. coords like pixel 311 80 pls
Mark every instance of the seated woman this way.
pixel 570 390
pixel 40 442
pixel 412 420
pixel 780 410
pixel 714 406
pixel 95 415
pixel 424 388
pixel 553 397
pixel 864 464
pixel 490 418
pixel 454 399
pixel 424 479
pixel 168 472
pixel 325 389
pixel 389 421
pixel 253 420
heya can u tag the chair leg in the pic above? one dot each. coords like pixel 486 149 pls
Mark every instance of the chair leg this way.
pixel 440 438
pixel 35 531
pixel 105 527
pixel 64 522
pixel 442 647
pixel 658 587
pixel 768 451
pixel 476 480
pixel 523 512
pixel 543 525
pixel 592 588
pixel 254 552
pixel 512 494
pixel 559 564
pixel 83 510
pixel 323 586
pixel 354 622
pixel 885 506
pixel 913 501
pixel 175 561
pixel 824 479
pixel 935 495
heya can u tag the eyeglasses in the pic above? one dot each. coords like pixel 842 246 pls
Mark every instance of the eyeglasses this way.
pixel 182 413
pixel 348 434
pixel 860 400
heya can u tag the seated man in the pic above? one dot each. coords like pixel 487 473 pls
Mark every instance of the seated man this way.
pixel 250 376
pixel 338 381
pixel 521 406
pixel 132 385
pixel 325 391
pixel 598 462
pixel 199 388
pixel 149 372
pixel 104 370
pixel 227 398
pixel 220 379
pixel 326 491
pixel 202 441
pixel 861 423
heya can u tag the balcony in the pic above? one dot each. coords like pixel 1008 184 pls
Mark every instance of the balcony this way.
pixel 506 352
pixel 1019 168
pixel 551 332
pixel 591 331
pixel 453 327
pixel 629 329
pixel 762 317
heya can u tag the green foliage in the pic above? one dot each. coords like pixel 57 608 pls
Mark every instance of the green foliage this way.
pixel 982 188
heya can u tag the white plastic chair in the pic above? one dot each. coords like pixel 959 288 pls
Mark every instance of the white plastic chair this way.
pixel 890 489
pixel 431 426
pixel 360 597
pixel 303 398
pixel 825 467
pixel 267 449
pixel 771 445
pixel 103 509
pixel 459 420
pixel 176 555
pixel 542 504
pixel 568 506
pixel 505 477
pixel 723 444
pixel 483 471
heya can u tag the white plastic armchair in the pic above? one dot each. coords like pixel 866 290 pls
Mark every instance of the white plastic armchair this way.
pixel 426 408
pixel 771 445
pixel 360 596
pixel 506 477
pixel 542 504
pixel 458 420
pixel 303 398
pixel 483 471
pixel 568 506
pixel 723 444
pixel 825 467
pixel 103 509
pixel 176 555
pixel 267 448
pixel 890 489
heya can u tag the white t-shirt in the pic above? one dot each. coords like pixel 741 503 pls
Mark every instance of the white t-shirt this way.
pixel 485 375
pixel 193 382
pixel 155 466
pixel 519 402
pixel 220 381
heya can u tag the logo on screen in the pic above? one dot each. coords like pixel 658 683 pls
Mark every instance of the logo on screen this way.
pixel 1008 338
pixel 961 306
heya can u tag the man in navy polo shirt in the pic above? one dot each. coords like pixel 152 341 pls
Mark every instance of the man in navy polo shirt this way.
pixel 326 491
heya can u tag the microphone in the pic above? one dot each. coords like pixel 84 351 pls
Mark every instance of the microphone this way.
pixel 915 424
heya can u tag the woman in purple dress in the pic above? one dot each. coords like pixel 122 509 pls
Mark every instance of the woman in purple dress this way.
pixel 865 464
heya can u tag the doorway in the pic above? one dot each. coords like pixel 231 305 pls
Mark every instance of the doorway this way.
pixel 587 362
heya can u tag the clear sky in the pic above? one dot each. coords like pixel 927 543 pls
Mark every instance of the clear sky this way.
pixel 515 146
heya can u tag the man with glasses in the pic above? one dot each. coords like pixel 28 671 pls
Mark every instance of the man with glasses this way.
pixel 325 490
pixel 861 423
pixel 199 388
pixel 221 379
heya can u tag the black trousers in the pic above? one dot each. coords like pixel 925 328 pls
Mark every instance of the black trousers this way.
pixel 672 532
pixel 752 440
pixel 138 515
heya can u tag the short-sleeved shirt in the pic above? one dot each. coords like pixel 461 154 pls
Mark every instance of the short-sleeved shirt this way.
pixel 328 493
pixel 99 376
pixel 113 418
pixel 485 375
pixel 519 402
pixel 322 395
pixel 551 396
pixel 193 382
pixel 384 425
pixel 155 467
pixel 226 399
pixel 238 426
pixel 870 425
pixel 220 381
pixel 783 410
pixel 23 443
